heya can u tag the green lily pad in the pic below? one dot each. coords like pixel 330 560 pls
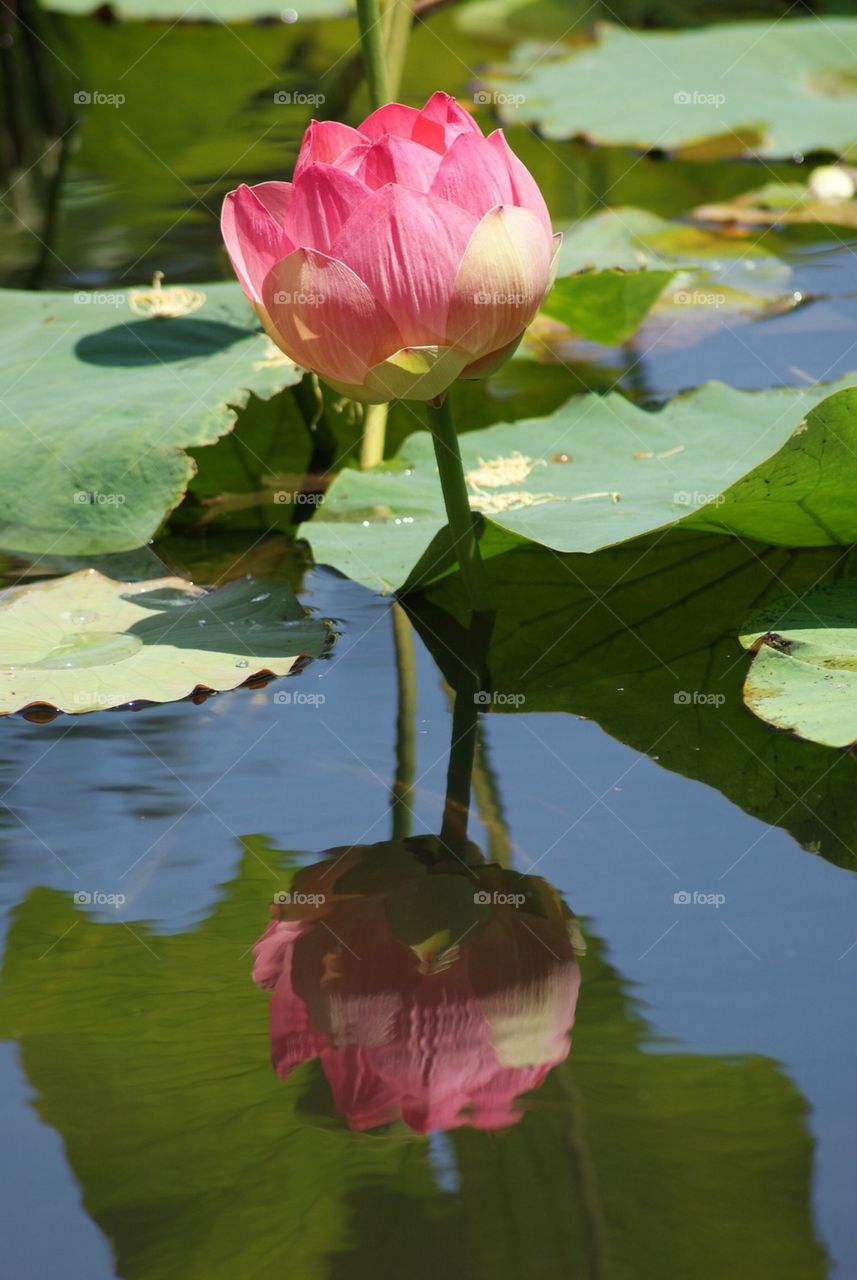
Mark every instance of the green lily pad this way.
pixel 85 643
pixel 605 306
pixel 643 261
pixel 629 238
pixel 98 403
pixel 778 466
pixel 770 89
pixel 803 677
pixel 781 204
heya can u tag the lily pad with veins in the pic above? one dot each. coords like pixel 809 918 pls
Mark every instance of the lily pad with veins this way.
pixel 86 643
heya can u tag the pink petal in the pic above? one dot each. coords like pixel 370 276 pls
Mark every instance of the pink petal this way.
pixel 504 275
pixel 276 197
pixel 398 160
pixel 359 1093
pixel 393 119
pixel 325 318
pixel 352 158
pixel 441 121
pixel 324 198
pixel 294 1040
pixel 407 248
pixel 254 239
pixel 273 951
pixel 324 141
pixel 525 189
pixel 473 176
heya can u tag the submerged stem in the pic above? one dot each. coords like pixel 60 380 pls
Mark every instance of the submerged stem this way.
pixel 462 521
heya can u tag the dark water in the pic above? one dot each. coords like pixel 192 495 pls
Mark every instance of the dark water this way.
pixel 701 1122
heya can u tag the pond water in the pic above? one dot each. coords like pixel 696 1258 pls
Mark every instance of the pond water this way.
pixel 701 1122
pixel 704 1106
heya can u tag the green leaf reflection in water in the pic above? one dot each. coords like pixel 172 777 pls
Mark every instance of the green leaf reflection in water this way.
pixel 644 639
pixel 149 1055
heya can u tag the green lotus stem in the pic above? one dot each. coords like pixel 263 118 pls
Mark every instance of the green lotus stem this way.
pixel 406 739
pixel 374 435
pixel 463 522
pixel 397 22
pixel 372 46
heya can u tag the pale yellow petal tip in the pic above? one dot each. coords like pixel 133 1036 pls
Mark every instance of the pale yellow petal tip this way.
pixel 416 373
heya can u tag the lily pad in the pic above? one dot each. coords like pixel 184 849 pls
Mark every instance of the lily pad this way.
pixel 781 204
pixel 779 466
pixel 605 306
pixel 85 643
pixel 98 404
pixel 804 673
pixel 768 89
pixel 630 238
pixel 702 269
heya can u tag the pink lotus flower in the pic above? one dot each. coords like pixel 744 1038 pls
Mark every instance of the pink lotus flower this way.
pixel 405 253
pixel 440 1032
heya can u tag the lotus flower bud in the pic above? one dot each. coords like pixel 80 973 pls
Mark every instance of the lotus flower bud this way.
pixel 405 254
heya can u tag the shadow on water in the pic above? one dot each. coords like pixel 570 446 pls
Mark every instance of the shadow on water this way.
pixel 143 342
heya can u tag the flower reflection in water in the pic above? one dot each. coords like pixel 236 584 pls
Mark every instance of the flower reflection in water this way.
pixel 432 990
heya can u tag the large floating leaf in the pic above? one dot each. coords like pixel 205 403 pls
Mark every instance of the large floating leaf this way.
pixel 643 639
pixel 774 89
pixel 84 642
pixel 98 403
pixel 804 674
pixel 782 204
pixel 605 306
pixel 766 465
pixel 631 238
